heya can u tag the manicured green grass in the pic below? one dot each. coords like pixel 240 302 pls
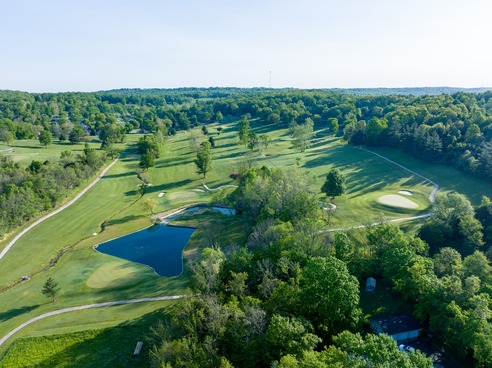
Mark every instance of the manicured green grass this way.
pixel 448 178
pixel 101 347
pixel 25 151
pixel 86 276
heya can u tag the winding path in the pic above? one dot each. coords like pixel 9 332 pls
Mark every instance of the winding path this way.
pixel 13 241
pixel 88 306
pixel 223 186
pixel 432 196
pixel 173 297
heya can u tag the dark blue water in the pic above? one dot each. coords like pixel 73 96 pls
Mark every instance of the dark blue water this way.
pixel 160 247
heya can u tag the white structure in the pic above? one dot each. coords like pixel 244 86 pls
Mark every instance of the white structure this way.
pixel 371 285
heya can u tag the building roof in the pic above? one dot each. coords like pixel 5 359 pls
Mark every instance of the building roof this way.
pixel 396 323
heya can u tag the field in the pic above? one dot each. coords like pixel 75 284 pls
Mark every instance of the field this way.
pixel 25 151
pixel 114 205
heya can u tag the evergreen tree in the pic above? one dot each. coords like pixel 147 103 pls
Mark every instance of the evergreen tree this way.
pixel 50 289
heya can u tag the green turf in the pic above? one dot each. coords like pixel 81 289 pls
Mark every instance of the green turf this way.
pixel 101 347
pixel 25 151
pixel 86 276
pixel 447 177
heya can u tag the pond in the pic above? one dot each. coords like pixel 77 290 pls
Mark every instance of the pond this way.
pixel 159 247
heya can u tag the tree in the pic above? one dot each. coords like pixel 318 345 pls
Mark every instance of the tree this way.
pixel 263 142
pixel 471 230
pixel 50 289
pixel 374 131
pixel 289 335
pixel 110 134
pixel 376 351
pixel 333 126
pixel 448 262
pixel 75 134
pixel 244 130
pixel 147 161
pixel 45 138
pixel 150 204
pixel 196 138
pixel 203 159
pixel 334 184
pixel 329 294
pixel 302 135
pixel 206 271
pixel 6 136
pixel 219 116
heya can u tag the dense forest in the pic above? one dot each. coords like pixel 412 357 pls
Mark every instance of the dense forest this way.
pixel 290 296
pixel 450 129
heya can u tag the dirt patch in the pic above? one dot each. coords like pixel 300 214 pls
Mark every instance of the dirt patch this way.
pixel 396 200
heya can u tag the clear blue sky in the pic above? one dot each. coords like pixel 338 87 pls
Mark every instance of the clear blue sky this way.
pixel 89 45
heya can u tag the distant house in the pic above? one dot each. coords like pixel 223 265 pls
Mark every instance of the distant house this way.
pixel 371 285
pixel 401 327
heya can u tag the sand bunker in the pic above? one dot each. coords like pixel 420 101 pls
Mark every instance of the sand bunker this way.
pixel 161 194
pixel 397 201
pixel 330 207
pixel 405 192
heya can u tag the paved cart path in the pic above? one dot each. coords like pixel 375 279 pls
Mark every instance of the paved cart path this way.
pixel 432 197
pixel 88 306
pixel 58 210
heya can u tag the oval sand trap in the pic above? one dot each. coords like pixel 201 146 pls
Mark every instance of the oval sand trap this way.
pixel 405 192
pixel 397 201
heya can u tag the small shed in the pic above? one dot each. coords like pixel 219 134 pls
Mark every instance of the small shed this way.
pixel 371 285
pixel 401 327
pixel 138 349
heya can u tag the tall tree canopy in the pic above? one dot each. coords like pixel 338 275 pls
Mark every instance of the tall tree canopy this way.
pixel 334 185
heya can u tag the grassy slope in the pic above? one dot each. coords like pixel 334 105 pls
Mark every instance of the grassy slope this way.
pixel 447 177
pixel 95 346
pixel 25 151
pixel 86 276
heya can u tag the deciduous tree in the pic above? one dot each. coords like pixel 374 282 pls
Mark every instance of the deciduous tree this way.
pixel 203 159
pixel 45 138
pixel 334 185
pixel 329 294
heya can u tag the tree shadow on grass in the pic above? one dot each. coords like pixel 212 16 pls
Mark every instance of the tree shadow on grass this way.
pixel 126 173
pixel 109 347
pixel 122 220
pixel 166 187
pixel 17 312
pixel 30 147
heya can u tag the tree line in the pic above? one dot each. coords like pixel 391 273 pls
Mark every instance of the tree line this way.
pixel 454 129
pixel 25 193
